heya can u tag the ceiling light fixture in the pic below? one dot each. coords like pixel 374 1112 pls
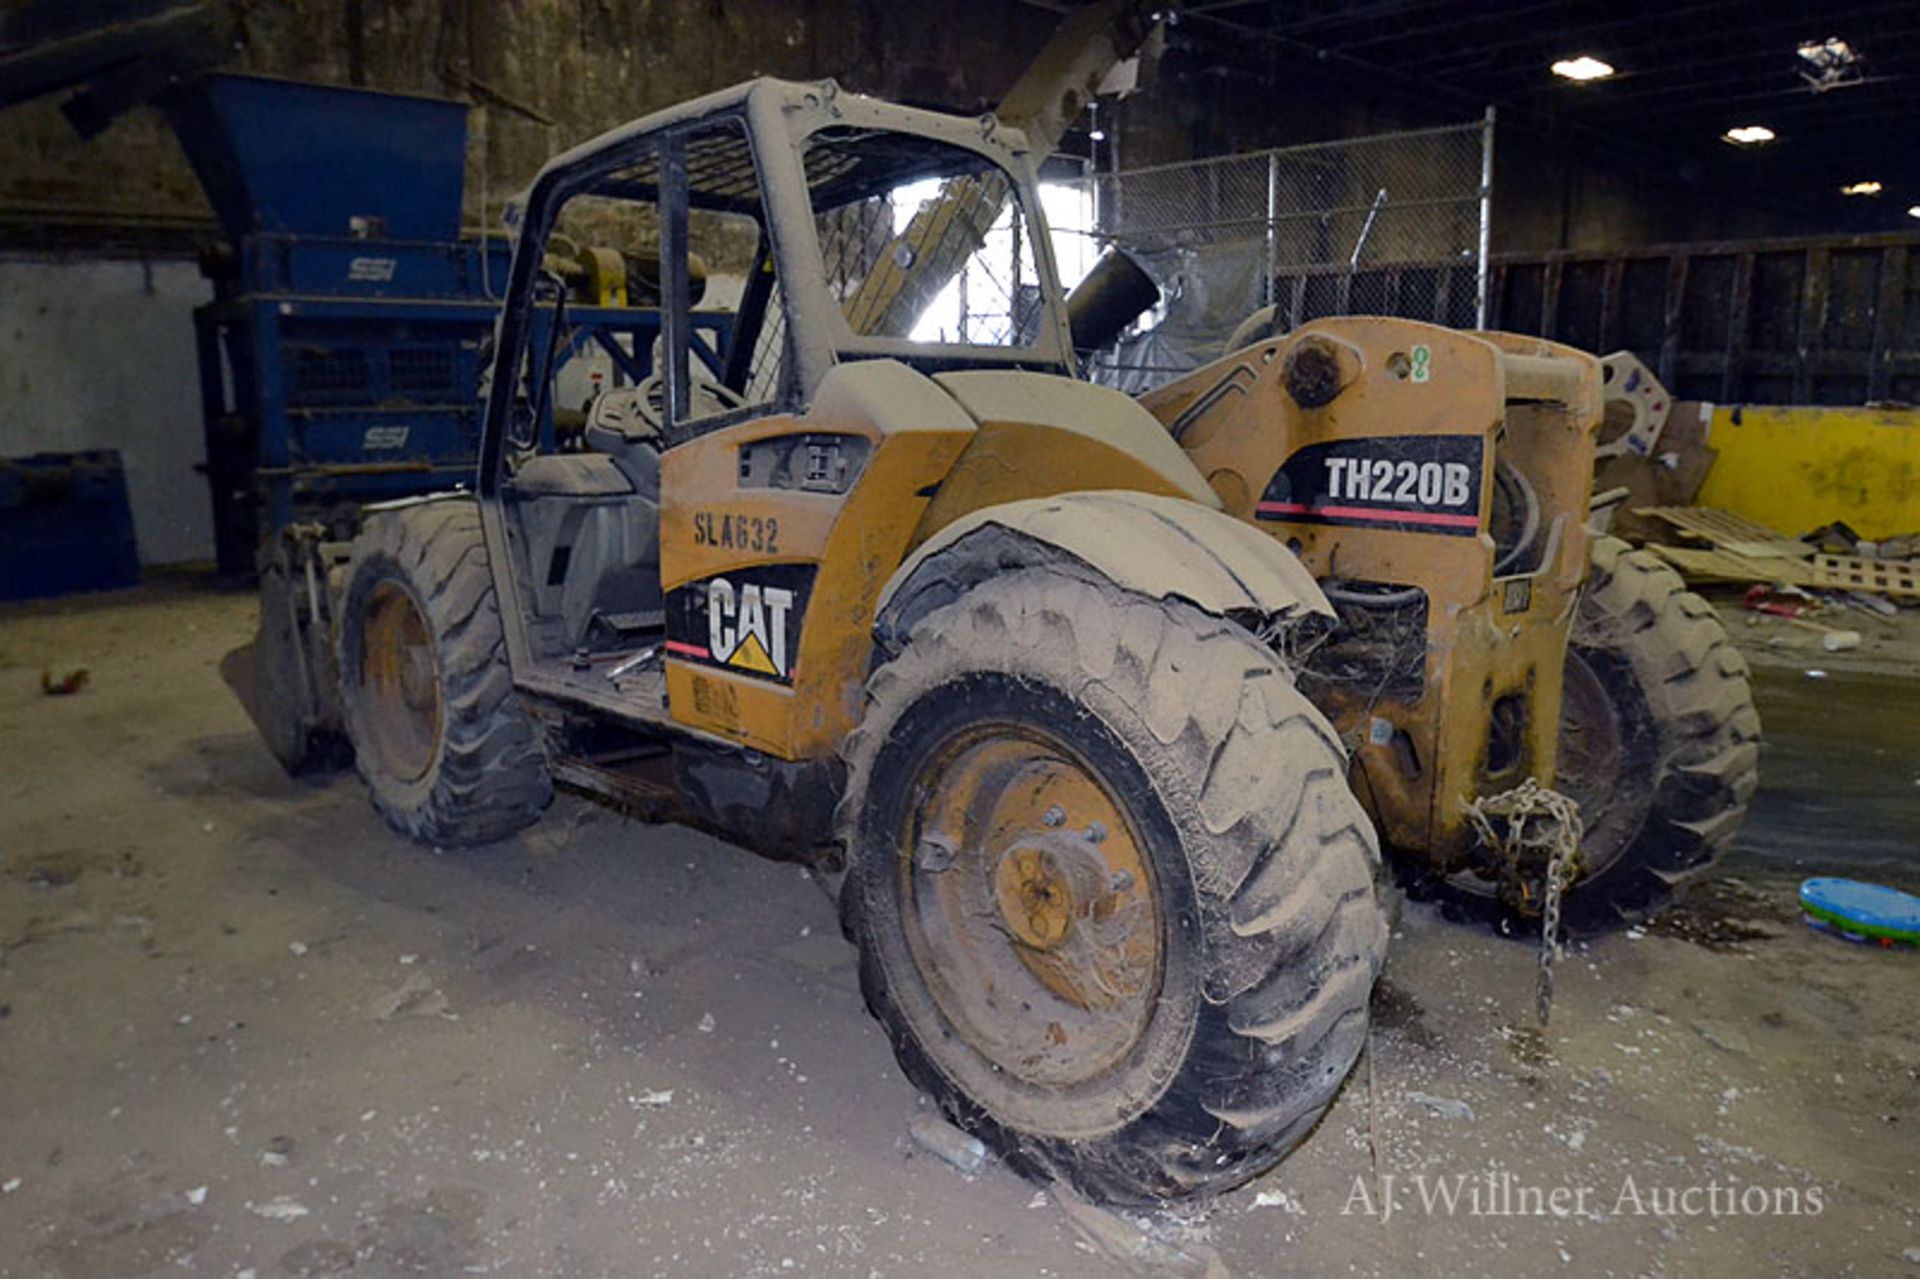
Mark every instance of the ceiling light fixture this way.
pixel 1868 187
pixel 1582 68
pixel 1829 64
pixel 1749 135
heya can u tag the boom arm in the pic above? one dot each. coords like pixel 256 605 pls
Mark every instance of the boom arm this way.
pixel 1043 103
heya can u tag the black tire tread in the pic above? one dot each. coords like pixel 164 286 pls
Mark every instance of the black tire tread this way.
pixel 1697 687
pixel 1283 859
pixel 490 778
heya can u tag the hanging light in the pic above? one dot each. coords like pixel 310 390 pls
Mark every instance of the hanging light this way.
pixel 1749 135
pixel 1582 68
pixel 1829 64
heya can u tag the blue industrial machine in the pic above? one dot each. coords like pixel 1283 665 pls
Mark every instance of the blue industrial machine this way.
pixel 341 357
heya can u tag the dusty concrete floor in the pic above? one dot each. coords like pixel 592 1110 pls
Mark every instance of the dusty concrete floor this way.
pixel 247 1030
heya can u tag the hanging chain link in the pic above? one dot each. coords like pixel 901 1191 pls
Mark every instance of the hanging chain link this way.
pixel 1539 849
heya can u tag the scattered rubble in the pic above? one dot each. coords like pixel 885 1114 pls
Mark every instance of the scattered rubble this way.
pixel 1445 1107
pixel 66 685
pixel 283 1208
pixel 415 997
pixel 938 1137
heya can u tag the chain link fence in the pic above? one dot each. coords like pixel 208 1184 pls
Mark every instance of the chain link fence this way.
pixel 1394 224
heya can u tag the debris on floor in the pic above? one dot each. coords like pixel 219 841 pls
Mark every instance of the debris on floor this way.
pixel 283 1208
pixel 1829 591
pixel 67 685
pixel 1668 474
pixel 938 1137
pixel 414 997
pixel 1139 1244
pixel 1744 550
pixel 1445 1107
pixel 509 1141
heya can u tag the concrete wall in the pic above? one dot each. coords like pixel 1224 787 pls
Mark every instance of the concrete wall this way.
pixel 99 354
pixel 542 74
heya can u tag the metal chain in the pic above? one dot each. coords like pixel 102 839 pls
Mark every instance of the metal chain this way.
pixel 1560 872
pixel 1538 820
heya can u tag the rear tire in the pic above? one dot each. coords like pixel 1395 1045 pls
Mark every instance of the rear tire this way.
pixel 1673 693
pixel 1228 848
pixel 449 756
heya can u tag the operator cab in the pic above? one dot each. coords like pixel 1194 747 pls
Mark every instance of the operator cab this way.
pixel 789 227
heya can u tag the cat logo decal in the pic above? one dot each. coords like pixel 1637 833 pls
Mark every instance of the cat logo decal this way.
pixel 751 626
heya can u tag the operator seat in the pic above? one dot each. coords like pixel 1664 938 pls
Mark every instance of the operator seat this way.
pixel 620 428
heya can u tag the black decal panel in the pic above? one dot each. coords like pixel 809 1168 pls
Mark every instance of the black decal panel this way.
pixel 1416 483
pixel 746 621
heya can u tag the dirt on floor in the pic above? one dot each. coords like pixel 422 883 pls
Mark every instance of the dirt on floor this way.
pixel 247 1030
pixel 1882 644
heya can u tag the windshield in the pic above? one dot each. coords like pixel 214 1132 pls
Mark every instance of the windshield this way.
pixel 923 240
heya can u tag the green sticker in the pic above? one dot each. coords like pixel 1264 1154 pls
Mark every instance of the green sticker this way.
pixel 1422 364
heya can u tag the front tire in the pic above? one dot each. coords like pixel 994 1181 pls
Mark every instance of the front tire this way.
pixel 1115 902
pixel 449 756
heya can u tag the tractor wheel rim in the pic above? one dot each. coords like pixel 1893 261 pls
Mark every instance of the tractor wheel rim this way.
pixel 401 676
pixel 1030 907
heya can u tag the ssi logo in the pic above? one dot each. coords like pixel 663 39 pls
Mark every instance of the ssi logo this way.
pixel 372 270
pixel 747 625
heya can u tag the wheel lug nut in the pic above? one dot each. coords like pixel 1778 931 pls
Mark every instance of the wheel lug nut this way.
pixel 1055 816
pixel 1096 833
pixel 1122 880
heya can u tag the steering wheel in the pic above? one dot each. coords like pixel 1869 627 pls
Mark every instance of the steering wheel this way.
pixel 640 412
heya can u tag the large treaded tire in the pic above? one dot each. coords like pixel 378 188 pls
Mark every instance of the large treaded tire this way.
pixel 1680 695
pixel 487 774
pixel 1266 866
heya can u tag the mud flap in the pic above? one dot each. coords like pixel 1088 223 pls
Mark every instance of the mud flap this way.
pixel 282 683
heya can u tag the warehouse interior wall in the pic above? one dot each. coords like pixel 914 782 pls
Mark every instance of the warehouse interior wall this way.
pixel 544 74
pixel 1554 187
pixel 89 332
pixel 98 354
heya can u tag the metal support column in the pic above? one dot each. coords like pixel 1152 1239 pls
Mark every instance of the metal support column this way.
pixel 1486 220
pixel 1269 293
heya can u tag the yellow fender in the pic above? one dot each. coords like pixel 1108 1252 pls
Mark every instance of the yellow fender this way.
pixel 1160 547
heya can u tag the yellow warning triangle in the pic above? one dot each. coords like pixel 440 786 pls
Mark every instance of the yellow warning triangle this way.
pixel 752 656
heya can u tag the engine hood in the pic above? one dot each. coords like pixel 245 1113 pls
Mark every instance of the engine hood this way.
pixel 1100 414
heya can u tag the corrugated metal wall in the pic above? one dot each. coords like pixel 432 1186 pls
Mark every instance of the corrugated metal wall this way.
pixel 1802 321
pixel 1818 320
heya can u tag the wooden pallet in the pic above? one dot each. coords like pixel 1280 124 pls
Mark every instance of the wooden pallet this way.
pixel 1896 579
pixel 1730 532
pixel 1732 566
